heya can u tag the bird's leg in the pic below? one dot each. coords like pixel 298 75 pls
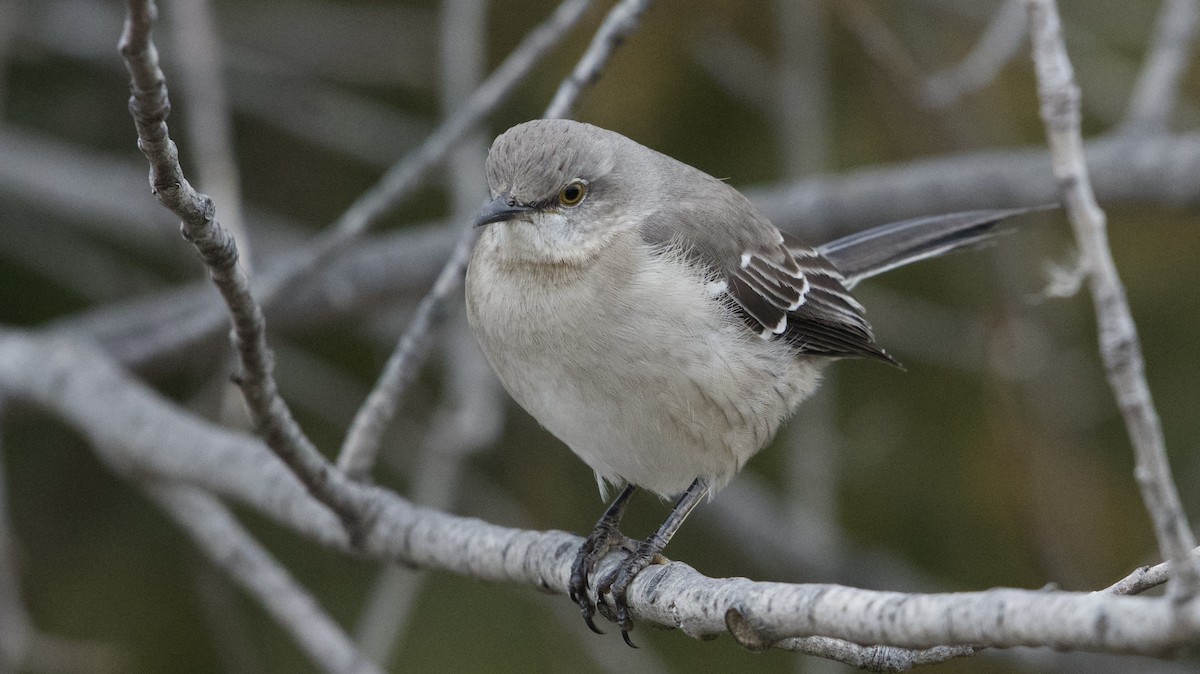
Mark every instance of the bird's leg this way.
pixel 604 537
pixel 646 553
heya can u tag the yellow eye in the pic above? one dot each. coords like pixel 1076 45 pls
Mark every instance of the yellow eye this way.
pixel 572 193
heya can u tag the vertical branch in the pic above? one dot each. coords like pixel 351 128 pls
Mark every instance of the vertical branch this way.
pixel 470 419
pixel 462 58
pixel 803 125
pixel 1157 88
pixel 1119 345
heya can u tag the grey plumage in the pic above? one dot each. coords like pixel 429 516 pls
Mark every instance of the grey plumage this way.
pixel 650 317
pixel 868 253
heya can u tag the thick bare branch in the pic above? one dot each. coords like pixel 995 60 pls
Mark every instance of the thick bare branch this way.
pixel 80 385
pixel 1118 334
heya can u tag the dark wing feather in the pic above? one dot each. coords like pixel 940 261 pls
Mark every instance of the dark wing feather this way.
pixel 789 291
pixel 782 288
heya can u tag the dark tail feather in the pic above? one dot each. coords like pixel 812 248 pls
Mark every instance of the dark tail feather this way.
pixel 874 251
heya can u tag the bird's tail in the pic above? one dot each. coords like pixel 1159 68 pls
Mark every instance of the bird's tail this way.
pixel 883 248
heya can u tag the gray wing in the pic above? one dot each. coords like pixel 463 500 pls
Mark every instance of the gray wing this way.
pixel 782 288
pixel 789 291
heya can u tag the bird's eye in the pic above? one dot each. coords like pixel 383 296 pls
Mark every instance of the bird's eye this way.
pixel 572 193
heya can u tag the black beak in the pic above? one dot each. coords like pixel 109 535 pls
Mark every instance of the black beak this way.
pixel 499 210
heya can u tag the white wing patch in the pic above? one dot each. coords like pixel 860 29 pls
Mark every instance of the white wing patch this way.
pixel 717 288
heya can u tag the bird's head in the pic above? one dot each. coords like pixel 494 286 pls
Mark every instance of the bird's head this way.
pixel 560 190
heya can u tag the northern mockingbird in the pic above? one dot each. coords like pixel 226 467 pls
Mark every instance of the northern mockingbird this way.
pixel 652 319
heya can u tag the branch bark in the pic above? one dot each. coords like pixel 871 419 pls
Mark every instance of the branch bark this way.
pixel 273 419
pixel 129 425
pixel 1119 344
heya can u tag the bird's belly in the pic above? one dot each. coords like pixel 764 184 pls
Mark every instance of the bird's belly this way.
pixel 652 391
pixel 669 420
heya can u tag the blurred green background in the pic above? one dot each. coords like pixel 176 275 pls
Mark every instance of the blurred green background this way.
pixel 997 458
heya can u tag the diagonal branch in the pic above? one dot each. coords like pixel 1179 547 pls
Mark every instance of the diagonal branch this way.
pixel 405 176
pixel 358 453
pixel 361 447
pixel 1000 43
pixel 273 419
pixel 232 548
pixel 620 23
pixel 1119 344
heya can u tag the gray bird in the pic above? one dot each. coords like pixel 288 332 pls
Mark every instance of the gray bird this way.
pixel 653 320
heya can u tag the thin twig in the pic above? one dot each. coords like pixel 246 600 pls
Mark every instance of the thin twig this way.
pixel 361 446
pixel 874 658
pixel 149 106
pixel 621 21
pixel 358 453
pixel 235 551
pixel 1157 88
pixel 208 119
pixel 1146 577
pixel 404 176
pixel 1119 345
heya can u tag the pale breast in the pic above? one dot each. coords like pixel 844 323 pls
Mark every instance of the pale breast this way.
pixel 634 364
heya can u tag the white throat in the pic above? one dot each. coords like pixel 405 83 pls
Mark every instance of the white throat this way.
pixel 547 238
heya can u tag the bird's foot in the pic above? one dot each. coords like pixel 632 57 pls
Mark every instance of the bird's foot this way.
pixel 603 538
pixel 617 583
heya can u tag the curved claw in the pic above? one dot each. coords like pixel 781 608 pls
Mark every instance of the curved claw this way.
pixel 584 563
pixel 587 618
pixel 617 585
pixel 625 622
pixel 586 608
pixel 604 537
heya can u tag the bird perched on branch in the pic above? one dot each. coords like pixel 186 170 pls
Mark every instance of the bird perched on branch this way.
pixel 652 319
